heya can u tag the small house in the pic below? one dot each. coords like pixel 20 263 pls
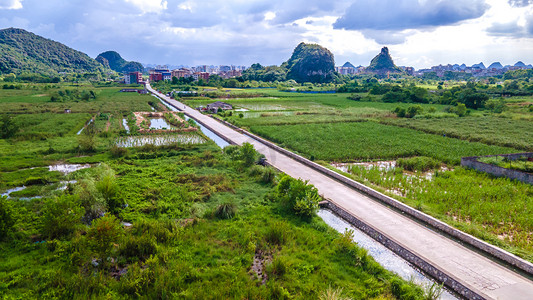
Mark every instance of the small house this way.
pixel 215 106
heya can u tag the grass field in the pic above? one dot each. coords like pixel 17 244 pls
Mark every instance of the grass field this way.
pixel 177 247
pixel 488 130
pixel 370 140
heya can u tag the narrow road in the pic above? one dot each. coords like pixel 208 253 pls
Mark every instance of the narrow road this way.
pixel 478 273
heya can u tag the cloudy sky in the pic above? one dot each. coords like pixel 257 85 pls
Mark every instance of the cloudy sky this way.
pixel 419 33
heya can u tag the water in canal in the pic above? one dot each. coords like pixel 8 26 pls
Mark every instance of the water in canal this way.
pixel 385 257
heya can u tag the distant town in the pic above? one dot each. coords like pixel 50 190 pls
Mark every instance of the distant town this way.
pixel 159 73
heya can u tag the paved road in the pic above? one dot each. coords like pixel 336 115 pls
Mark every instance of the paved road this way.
pixel 478 273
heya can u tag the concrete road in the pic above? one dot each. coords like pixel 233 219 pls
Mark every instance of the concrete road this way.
pixel 478 273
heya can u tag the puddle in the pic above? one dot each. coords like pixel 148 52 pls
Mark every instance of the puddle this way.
pixel 160 123
pixel 138 141
pixel 381 254
pixel 125 124
pixel 241 109
pixel 16 189
pixel 62 186
pixel 68 168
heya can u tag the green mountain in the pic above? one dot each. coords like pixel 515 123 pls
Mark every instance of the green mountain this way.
pixel 22 51
pixel 310 63
pixel 117 63
pixel 383 63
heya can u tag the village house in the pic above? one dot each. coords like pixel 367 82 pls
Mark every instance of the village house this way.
pixel 215 106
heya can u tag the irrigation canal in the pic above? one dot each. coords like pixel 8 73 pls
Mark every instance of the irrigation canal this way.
pixel 466 272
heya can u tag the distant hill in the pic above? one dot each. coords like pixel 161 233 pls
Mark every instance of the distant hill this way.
pixel 479 66
pixel 310 63
pixel 23 51
pixel 495 65
pixel 382 63
pixel 348 65
pixel 114 61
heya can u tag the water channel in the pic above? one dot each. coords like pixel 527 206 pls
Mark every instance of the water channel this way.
pixel 385 257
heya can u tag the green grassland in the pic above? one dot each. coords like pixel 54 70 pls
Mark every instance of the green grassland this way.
pixel 489 129
pixel 370 140
pixel 178 244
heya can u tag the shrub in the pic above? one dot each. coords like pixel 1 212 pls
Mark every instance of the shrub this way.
pixel 277 268
pixel 118 151
pixel 61 216
pixel 8 128
pixel 269 174
pixel 103 233
pixel 277 234
pixel 226 210
pixel 419 163
pixel 7 217
pixel 135 248
pixel 301 197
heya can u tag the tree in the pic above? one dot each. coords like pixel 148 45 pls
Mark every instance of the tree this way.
pixel 8 128
pixel 460 109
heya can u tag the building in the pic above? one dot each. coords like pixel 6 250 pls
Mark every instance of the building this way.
pixel 133 78
pixel 183 72
pixel 156 76
pixel 201 75
pixel 215 106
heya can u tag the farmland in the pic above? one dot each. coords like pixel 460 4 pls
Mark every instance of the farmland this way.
pixel 179 220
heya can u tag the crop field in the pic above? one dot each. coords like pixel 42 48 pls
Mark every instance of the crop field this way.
pixel 489 129
pixel 370 140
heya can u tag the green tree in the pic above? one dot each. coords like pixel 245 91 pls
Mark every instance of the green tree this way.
pixel 460 109
pixel 413 110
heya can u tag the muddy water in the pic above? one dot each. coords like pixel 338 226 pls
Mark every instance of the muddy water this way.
pixel 67 168
pixel 385 257
pixel 159 123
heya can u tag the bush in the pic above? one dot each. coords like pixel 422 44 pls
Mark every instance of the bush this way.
pixel 103 233
pixel 7 217
pixel 226 210
pixel 302 198
pixel 118 151
pixel 277 234
pixel 419 163
pixel 61 216
pixel 135 248
pixel 277 268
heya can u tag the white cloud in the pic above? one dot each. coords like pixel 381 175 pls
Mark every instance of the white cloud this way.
pixel 10 4
pixel 149 6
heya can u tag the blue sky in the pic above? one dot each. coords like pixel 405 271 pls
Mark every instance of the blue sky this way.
pixel 419 33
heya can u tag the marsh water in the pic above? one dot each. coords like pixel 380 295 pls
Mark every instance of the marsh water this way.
pixel 381 254
pixel 159 123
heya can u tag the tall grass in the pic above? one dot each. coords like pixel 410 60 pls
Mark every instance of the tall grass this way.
pixel 370 140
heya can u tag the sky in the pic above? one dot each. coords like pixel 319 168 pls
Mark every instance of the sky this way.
pixel 418 33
